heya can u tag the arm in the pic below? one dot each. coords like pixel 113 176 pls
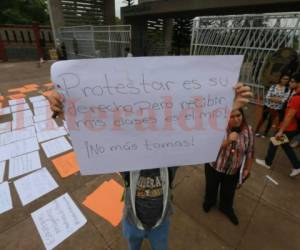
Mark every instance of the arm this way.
pixel 250 155
pixel 289 116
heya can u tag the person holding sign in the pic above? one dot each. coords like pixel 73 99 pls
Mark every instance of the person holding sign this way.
pixel 289 128
pixel 232 166
pixel 148 192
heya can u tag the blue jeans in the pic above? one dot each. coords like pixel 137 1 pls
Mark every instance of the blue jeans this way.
pixel 158 236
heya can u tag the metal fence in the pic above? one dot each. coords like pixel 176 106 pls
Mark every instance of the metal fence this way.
pixel 96 41
pixel 256 37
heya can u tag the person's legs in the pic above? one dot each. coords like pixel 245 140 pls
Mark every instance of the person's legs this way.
pixel 211 187
pixel 263 117
pixel 227 192
pixel 273 114
pixel 133 235
pixel 290 152
pixel 158 236
pixel 270 154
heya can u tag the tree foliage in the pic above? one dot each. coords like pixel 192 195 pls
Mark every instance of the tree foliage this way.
pixel 23 12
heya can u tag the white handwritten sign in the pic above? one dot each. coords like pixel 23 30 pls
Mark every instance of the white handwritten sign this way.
pixel 137 113
pixel 58 220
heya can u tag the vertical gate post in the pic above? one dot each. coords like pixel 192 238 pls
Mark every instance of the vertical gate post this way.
pixel 2 50
pixel 36 32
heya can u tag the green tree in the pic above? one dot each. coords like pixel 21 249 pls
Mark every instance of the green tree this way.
pixel 23 12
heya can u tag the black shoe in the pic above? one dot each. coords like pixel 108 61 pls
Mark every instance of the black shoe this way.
pixel 231 216
pixel 206 207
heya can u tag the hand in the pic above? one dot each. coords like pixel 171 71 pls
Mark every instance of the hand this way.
pixel 233 136
pixel 56 103
pixel 279 135
pixel 242 95
pixel 246 173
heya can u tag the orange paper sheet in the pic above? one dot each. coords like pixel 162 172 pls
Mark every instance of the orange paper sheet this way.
pixel 14 90
pixel 17 96
pixel 1 98
pixel 31 85
pixel 66 164
pixel 106 202
pixel 27 90
pixel 50 84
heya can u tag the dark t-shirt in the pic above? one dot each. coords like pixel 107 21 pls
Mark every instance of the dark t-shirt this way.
pixel 149 197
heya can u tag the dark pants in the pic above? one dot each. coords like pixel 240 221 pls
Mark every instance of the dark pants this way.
pixel 287 149
pixel 268 114
pixel 227 184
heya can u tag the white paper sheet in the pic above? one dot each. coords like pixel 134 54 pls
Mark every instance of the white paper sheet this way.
pixel 18 148
pixel 17 135
pixel 24 164
pixel 23 147
pixel 58 220
pixel 19 107
pixel 5 152
pixel 5 111
pixel 22 115
pixel 51 134
pixel 5 197
pixel 23 123
pixel 42 117
pixel 37 98
pixel 5 127
pixel 56 146
pixel 16 101
pixel 2 170
pixel 156 112
pixel 35 185
pixel 42 110
pixel 40 104
pixel 5 138
pixel 47 125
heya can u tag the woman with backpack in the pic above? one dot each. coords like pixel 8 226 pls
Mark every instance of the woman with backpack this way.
pixel 274 104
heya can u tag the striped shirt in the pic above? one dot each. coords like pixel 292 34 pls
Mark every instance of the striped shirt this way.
pixel 229 162
pixel 275 91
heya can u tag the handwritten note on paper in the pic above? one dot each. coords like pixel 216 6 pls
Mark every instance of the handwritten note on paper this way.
pixel 56 146
pixel 5 111
pixel 5 127
pixel 24 164
pixel 40 104
pixel 106 201
pixel 42 110
pixel 37 98
pixel 51 134
pixel 43 117
pixel 22 123
pixel 2 170
pixel 58 220
pixel 22 114
pixel 16 101
pixel 19 107
pixel 5 198
pixel 5 152
pixel 146 112
pixel 23 147
pixel 35 185
pixel 47 125
pixel 66 164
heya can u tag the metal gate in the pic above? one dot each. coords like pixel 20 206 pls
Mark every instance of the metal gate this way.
pixel 96 41
pixel 254 36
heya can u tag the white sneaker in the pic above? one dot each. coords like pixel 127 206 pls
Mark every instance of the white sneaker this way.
pixel 295 172
pixel 262 163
